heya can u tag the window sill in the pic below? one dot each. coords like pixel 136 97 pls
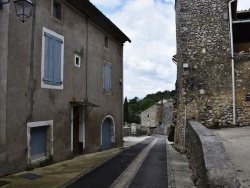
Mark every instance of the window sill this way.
pixel 107 93
pixel 57 20
pixel 36 159
pixel 46 86
pixel 106 48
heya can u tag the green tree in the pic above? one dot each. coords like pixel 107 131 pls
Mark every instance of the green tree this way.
pixel 125 111
pixel 146 103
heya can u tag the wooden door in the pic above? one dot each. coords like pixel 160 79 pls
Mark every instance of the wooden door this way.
pixel 106 135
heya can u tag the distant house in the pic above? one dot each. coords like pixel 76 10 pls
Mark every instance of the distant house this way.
pixel 61 83
pixel 159 116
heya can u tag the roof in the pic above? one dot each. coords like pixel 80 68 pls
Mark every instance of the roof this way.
pixel 87 8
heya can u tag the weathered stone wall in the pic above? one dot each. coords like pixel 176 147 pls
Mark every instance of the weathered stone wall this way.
pixel 205 86
pixel 152 115
pixel 211 165
pixel 160 112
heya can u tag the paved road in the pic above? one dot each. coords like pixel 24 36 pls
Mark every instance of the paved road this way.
pixel 142 165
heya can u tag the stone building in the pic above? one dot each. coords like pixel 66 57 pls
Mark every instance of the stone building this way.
pixel 61 86
pixel 158 117
pixel 213 62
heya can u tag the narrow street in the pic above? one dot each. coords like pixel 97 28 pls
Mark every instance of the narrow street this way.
pixel 142 165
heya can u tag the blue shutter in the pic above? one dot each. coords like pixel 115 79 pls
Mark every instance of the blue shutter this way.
pixel 52 60
pixel 38 140
pixel 48 59
pixel 107 77
pixel 57 61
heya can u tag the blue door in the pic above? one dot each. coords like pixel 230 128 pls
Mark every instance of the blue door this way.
pixel 38 141
pixel 106 135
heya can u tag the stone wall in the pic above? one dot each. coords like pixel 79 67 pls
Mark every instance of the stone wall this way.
pixel 161 112
pixel 204 84
pixel 152 116
pixel 211 165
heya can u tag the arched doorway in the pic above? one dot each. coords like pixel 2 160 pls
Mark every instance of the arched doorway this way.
pixel 107 129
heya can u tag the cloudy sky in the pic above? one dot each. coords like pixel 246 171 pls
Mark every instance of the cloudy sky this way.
pixel 150 24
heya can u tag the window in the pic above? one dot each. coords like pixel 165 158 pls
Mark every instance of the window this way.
pixel 160 125
pixel 107 77
pixel 57 9
pixel 52 60
pixel 40 140
pixel 77 60
pixel 106 42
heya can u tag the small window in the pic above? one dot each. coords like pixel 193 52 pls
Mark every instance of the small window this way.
pixel 160 125
pixel 77 61
pixel 57 10
pixel 106 42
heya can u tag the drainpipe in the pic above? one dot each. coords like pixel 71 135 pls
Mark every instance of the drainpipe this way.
pixel 86 56
pixel 232 57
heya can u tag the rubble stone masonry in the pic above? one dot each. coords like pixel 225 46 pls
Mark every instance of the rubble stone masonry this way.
pixel 204 74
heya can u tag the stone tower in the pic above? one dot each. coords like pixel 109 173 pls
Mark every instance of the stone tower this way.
pixel 204 71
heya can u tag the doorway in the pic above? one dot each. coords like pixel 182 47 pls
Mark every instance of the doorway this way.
pixel 106 134
pixel 78 131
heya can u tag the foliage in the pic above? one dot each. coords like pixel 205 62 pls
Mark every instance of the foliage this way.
pixel 146 103
pixel 125 110
pixel 171 133
pixel 136 105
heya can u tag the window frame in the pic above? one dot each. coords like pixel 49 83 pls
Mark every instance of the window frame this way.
pixel 108 90
pixel 52 10
pixel 43 84
pixel 79 57
pixel 106 42
pixel 49 144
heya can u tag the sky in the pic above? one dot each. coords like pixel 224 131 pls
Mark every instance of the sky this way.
pixel 150 25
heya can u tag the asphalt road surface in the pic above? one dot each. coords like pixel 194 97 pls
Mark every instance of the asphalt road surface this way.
pixel 141 166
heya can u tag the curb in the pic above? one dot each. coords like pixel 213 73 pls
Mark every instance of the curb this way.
pixel 171 179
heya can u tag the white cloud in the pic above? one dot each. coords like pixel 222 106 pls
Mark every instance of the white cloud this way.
pixel 107 4
pixel 243 5
pixel 150 24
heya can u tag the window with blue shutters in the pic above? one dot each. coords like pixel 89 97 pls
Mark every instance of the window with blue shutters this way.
pixel 52 60
pixel 107 78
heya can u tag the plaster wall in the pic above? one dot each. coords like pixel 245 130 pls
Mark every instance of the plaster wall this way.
pixel 4 22
pixel 110 103
pixel 27 102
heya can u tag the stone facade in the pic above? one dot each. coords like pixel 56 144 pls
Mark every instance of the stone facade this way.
pixel 158 116
pixel 204 70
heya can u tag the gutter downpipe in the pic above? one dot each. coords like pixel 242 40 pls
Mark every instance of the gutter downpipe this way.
pixel 232 57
